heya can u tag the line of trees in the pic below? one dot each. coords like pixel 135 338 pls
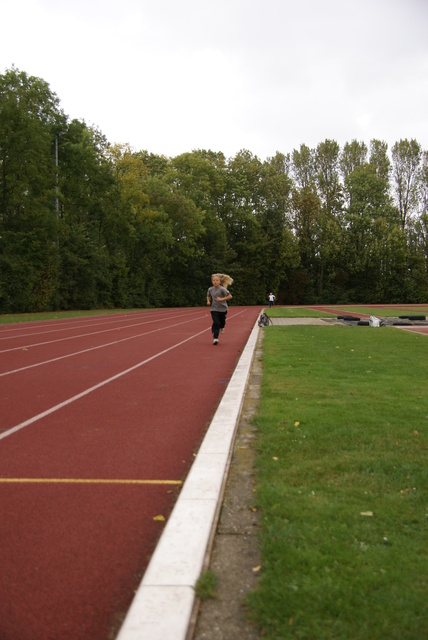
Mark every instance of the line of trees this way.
pixel 88 224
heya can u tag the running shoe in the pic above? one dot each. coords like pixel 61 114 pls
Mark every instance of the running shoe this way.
pixel 215 341
pixel 221 330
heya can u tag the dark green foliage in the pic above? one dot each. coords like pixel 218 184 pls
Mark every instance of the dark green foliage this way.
pixel 86 224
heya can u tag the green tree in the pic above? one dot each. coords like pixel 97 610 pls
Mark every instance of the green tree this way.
pixel 185 233
pixel 202 177
pixel 379 159
pixel 353 155
pixel 86 199
pixel 138 230
pixel 423 201
pixel 375 242
pixel 240 211
pixel 317 219
pixel 29 117
pixel 303 167
pixel 417 274
pixel 328 176
pixel 306 211
pixel 406 160
pixel 280 254
pixel 327 163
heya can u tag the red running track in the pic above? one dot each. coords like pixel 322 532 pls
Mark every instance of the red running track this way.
pixel 100 420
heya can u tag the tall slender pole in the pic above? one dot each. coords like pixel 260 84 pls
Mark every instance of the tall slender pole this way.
pixel 56 174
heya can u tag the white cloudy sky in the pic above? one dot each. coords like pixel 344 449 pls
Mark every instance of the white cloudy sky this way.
pixel 170 76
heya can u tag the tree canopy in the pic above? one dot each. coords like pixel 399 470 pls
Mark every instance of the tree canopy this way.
pixel 86 223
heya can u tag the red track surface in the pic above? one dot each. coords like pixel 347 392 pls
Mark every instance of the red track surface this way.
pixel 92 409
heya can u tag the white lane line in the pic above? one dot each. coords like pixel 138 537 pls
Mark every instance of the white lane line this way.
pixel 61 405
pixel 87 481
pixel 69 326
pixel 81 335
pixel 101 346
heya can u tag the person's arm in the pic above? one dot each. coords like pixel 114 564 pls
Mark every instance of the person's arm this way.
pixel 208 301
pixel 228 297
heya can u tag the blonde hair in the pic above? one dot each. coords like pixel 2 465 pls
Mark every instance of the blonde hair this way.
pixel 225 280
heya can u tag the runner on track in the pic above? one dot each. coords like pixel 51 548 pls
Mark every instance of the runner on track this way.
pixel 217 297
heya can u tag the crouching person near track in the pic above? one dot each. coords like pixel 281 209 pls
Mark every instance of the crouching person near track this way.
pixel 217 297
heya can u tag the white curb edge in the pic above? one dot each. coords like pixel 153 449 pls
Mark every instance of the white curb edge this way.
pixel 163 604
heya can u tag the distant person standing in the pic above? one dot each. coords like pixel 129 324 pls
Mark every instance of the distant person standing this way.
pixel 217 297
pixel 271 299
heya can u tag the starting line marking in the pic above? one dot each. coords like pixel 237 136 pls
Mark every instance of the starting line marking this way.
pixel 88 481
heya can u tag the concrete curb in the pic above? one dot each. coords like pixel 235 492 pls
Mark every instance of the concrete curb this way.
pixel 163 605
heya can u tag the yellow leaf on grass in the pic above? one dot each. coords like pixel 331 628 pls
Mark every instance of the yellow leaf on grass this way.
pixel 296 423
pixel 257 569
pixel 368 514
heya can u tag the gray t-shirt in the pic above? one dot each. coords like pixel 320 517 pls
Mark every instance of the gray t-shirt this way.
pixel 219 292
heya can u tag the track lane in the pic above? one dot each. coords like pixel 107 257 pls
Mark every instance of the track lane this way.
pixel 134 403
pixel 26 329
pixel 77 372
pixel 30 342
pixel 84 545
pixel 74 552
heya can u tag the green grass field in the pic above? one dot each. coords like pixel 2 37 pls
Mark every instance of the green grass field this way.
pixel 342 484
pixel 298 312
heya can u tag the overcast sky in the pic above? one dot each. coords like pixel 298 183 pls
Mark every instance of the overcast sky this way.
pixel 170 76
